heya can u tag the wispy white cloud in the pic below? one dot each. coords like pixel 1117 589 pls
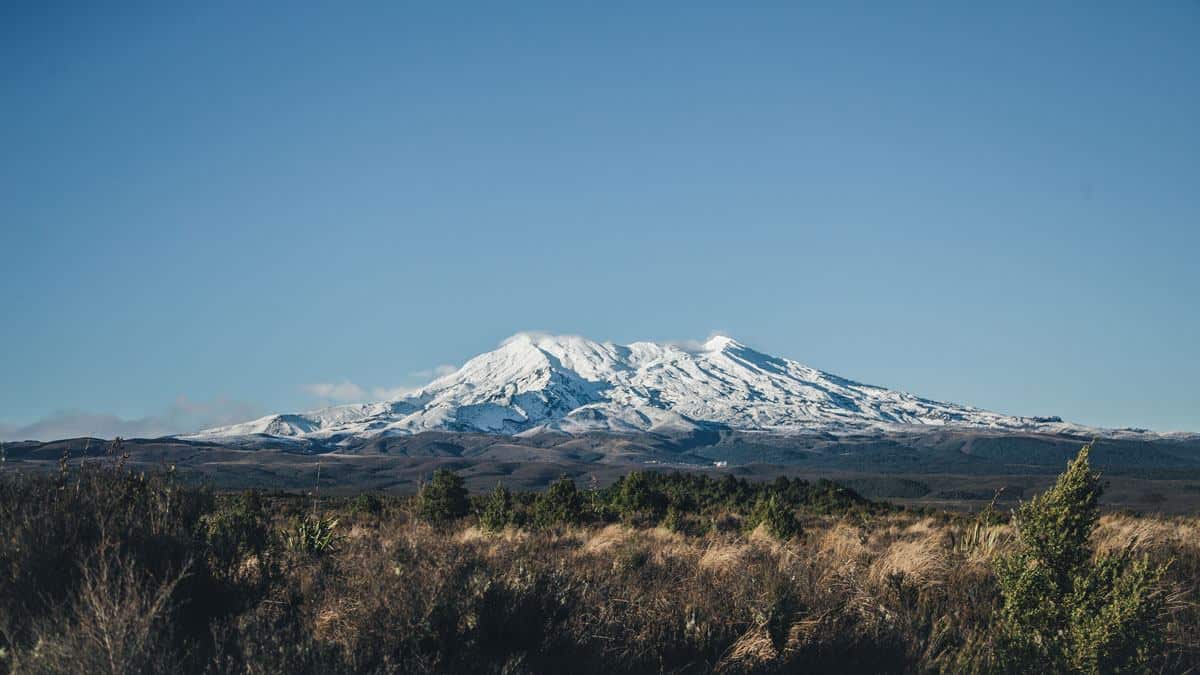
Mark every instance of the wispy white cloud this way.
pixel 181 416
pixel 339 392
pixel 687 345
pixel 694 346
pixel 346 391
pixel 435 372
pixel 391 393
pixel 531 335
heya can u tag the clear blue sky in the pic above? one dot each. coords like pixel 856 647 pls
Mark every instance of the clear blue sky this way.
pixel 206 209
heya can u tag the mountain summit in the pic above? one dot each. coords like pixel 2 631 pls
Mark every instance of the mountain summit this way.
pixel 534 382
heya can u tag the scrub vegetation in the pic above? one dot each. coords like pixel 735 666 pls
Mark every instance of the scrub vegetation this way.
pixel 104 569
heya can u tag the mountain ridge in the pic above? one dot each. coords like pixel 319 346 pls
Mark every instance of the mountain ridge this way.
pixel 534 382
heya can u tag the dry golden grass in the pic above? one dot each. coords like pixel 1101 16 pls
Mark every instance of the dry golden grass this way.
pixel 1118 531
pixel 723 557
pixel 667 547
pixel 842 543
pixel 732 601
pixel 607 537
pixel 471 534
pixel 752 652
pixel 924 561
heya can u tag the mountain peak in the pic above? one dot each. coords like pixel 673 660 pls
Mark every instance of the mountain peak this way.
pixel 551 342
pixel 533 337
pixel 720 342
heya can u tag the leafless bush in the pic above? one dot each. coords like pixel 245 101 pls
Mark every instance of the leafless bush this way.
pixel 117 622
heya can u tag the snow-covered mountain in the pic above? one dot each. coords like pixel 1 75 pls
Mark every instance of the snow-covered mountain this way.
pixel 536 382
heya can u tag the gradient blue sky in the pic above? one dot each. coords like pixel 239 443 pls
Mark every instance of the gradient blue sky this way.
pixel 207 208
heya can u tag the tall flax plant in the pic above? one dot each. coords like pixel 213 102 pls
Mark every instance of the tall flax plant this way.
pixel 1065 609
pixel 314 534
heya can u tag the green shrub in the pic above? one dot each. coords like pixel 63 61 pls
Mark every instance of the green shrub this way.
pixel 778 518
pixel 644 497
pixel 638 497
pixel 443 499
pixel 1063 610
pixel 561 504
pixel 681 522
pixel 238 527
pixel 367 503
pixel 675 521
pixel 497 510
